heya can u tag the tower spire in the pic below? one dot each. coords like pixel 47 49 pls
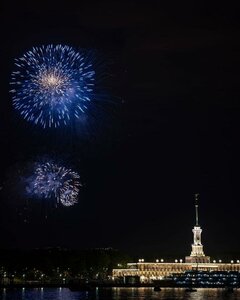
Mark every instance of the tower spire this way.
pixel 197 255
pixel 196 208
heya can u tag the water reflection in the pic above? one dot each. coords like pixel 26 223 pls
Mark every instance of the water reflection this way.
pixel 115 294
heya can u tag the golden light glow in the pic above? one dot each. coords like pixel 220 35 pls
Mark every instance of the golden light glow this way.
pixel 51 81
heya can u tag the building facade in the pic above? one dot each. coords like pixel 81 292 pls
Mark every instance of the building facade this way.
pixel 148 271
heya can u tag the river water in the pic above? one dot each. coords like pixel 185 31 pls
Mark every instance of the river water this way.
pixel 115 294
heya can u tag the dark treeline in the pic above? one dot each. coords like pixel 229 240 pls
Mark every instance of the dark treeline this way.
pixel 91 263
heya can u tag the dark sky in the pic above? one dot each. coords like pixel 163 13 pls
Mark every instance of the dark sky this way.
pixel 174 130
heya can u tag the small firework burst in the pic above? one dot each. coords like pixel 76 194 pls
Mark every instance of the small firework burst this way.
pixel 51 181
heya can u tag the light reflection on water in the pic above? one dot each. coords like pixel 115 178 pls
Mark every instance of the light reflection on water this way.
pixel 115 294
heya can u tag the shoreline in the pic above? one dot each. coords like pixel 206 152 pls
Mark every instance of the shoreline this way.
pixel 96 286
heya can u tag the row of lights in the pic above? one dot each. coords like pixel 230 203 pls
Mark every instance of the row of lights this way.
pixel 180 260
pixel 232 261
pixel 161 260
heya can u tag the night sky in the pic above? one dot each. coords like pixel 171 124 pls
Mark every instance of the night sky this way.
pixel 172 129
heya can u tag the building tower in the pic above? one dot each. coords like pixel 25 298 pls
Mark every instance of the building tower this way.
pixel 197 255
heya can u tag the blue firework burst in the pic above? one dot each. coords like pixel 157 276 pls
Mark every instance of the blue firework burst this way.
pixel 52 84
pixel 52 181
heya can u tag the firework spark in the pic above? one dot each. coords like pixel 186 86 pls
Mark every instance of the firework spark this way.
pixel 52 84
pixel 52 181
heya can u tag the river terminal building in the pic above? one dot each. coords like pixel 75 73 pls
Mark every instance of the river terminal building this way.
pixel 146 272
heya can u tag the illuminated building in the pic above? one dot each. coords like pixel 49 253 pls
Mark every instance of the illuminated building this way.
pixel 197 255
pixel 148 271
